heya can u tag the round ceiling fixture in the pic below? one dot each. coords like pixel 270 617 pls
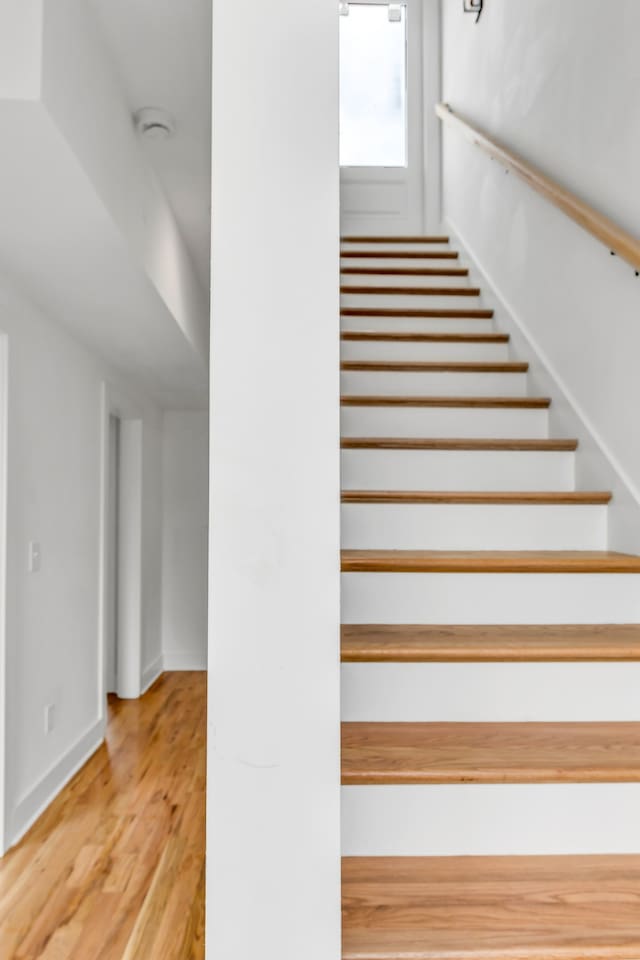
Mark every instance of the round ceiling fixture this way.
pixel 153 123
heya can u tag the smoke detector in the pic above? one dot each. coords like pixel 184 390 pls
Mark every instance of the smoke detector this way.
pixel 153 123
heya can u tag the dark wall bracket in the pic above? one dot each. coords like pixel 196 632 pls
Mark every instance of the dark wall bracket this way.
pixel 473 6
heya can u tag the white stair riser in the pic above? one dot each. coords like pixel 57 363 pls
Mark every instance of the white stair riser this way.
pixel 431 263
pixel 470 422
pixel 419 324
pixel 405 301
pixel 490 692
pixel 402 280
pixel 491 820
pixel 490 598
pixel 394 246
pixel 410 384
pixel 427 352
pixel 474 527
pixel 457 470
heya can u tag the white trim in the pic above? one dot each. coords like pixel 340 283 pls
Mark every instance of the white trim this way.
pixel 380 3
pixel 175 660
pixel 4 463
pixel 35 801
pixel 129 655
pixel 151 673
pixel 129 682
pixel 432 128
pixel 596 464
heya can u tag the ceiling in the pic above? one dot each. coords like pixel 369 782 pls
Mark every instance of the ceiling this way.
pixel 162 50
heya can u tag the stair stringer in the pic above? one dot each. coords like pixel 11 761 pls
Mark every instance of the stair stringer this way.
pixel 597 467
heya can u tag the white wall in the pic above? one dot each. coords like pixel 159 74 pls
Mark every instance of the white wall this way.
pixel 273 853
pixel 20 49
pixel 86 230
pixel 554 81
pixel 87 101
pixel 54 478
pixel 185 486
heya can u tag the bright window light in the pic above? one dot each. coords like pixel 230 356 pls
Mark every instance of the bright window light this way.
pixel 373 86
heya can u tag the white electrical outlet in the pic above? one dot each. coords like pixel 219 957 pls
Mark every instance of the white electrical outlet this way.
pixel 49 717
pixel 35 557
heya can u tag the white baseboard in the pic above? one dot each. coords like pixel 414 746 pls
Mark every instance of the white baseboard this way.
pixel 597 466
pixel 184 660
pixel 151 673
pixel 35 801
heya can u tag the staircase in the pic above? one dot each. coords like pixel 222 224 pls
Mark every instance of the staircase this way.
pixel 490 642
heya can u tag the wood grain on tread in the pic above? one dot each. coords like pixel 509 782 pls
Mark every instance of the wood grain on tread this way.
pixel 406 337
pixel 407 271
pixel 437 443
pixel 420 314
pixel 476 497
pixel 411 291
pixel 414 753
pixel 550 643
pixel 398 239
pixel 491 908
pixel 438 366
pixel 399 254
pixel 521 403
pixel 488 561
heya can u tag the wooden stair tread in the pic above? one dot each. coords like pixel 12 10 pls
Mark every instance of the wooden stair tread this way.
pixel 454 443
pixel 477 497
pixel 438 366
pixel 383 337
pixel 399 239
pixel 491 908
pixel 436 753
pixel 407 271
pixel 420 314
pixel 419 643
pixel 488 561
pixel 411 291
pixel 523 403
pixel 400 254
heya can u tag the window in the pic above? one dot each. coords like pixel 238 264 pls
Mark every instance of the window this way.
pixel 373 85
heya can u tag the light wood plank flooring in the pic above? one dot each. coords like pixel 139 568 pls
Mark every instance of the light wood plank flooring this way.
pixel 494 908
pixel 114 870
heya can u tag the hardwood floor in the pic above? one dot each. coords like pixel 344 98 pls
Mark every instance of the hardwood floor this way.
pixel 114 869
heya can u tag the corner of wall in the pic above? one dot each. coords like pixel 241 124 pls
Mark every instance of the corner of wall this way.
pixel 151 673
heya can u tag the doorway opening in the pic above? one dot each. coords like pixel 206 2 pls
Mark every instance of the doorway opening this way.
pixel 381 124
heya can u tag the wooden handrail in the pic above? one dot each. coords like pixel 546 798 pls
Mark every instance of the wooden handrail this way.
pixel 612 236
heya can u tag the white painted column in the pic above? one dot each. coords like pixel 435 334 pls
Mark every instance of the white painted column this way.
pixel 273 884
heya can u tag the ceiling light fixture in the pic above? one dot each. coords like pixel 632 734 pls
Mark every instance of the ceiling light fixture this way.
pixel 153 123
